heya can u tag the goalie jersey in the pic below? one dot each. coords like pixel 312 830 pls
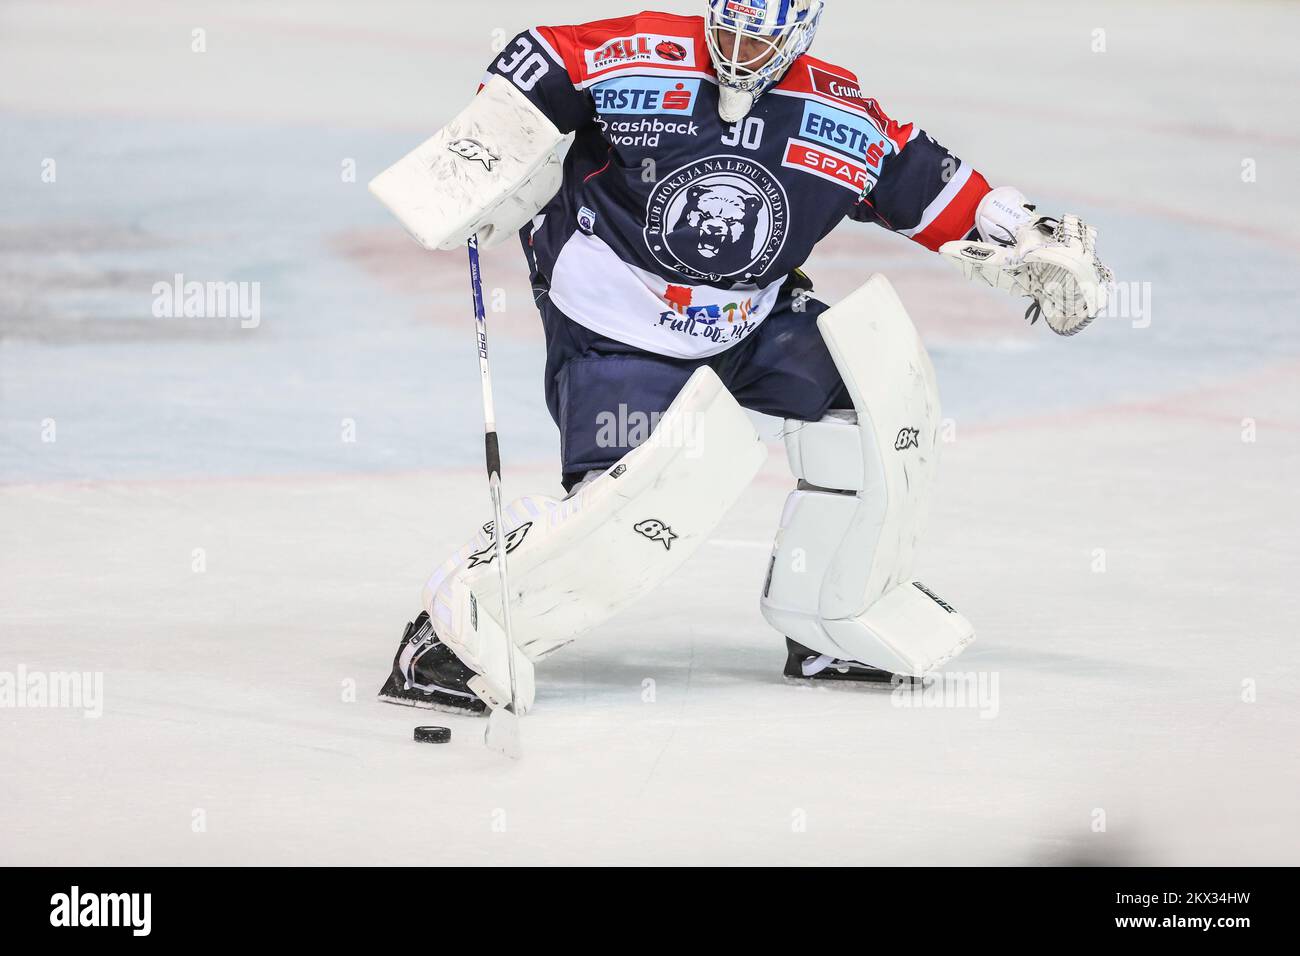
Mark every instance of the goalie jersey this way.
pixel 673 231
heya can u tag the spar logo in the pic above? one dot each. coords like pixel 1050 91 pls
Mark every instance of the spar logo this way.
pixel 641 48
pixel 747 8
pixel 829 165
pixel 642 95
pixel 718 218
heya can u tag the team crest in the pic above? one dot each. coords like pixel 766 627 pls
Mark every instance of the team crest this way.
pixel 724 217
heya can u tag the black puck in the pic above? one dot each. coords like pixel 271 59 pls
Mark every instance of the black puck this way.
pixel 433 735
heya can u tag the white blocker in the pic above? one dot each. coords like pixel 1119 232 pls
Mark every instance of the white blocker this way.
pixel 484 174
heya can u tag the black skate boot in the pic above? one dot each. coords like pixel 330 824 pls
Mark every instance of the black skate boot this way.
pixel 427 674
pixel 803 663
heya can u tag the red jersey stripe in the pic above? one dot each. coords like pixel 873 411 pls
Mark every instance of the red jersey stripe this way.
pixel 958 217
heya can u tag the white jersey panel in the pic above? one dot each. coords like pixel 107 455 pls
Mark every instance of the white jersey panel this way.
pixel 598 290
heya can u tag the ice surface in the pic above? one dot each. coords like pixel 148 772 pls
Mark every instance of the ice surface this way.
pixel 669 736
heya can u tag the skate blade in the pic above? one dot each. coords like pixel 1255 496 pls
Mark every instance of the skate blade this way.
pixel 429 705
pixel 502 734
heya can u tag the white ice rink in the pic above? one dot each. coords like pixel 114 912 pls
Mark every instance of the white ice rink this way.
pixel 181 510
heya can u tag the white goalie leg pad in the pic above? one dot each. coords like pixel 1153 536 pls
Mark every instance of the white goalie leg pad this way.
pixel 840 580
pixel 577 562
pixel 486 173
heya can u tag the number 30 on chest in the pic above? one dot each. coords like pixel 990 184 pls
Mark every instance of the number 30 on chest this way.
pixel 747 133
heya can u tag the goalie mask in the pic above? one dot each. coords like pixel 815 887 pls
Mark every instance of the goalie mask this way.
pixel 753 43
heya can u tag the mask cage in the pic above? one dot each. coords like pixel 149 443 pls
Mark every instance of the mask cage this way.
pixel 784 42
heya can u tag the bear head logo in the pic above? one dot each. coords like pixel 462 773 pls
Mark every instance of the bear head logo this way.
pixel 721 221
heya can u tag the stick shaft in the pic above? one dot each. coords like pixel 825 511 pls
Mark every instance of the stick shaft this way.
pixel 492 449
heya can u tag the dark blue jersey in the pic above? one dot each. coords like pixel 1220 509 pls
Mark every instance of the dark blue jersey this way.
pixel 674 231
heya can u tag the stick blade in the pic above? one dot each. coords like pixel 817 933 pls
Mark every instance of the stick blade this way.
pixel 502 734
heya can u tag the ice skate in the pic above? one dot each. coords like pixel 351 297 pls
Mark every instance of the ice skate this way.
pixel 804 664
pixel 427 674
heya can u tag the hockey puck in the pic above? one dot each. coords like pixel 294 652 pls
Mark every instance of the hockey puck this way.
pixel 433 735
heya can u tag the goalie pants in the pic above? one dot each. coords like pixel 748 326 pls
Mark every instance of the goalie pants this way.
pixel 605 395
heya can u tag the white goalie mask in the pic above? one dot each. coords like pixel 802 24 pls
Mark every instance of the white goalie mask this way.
pixel 753 43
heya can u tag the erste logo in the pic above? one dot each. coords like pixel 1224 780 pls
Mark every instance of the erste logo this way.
pixel 849 133
pixel 642 95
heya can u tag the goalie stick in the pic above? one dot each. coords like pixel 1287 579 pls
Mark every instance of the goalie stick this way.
pixel 502 733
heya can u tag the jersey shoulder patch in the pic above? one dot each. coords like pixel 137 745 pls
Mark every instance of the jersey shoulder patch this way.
pixel 836 86
pixel 810 76
pixel 657 44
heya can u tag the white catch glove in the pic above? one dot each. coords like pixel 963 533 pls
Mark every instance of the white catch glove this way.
pixel 1052 261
